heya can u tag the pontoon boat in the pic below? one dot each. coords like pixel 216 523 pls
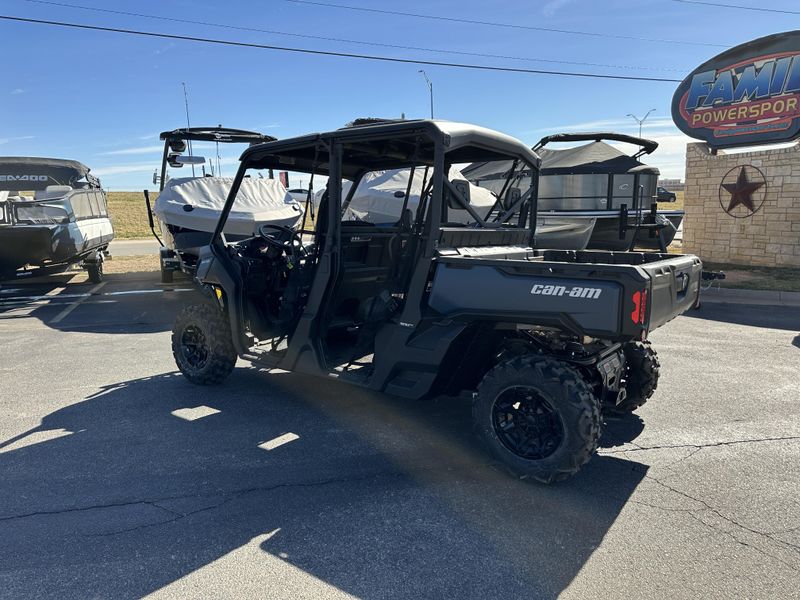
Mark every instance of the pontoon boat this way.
pixel 65 222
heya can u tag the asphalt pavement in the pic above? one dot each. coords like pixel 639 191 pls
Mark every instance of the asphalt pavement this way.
pixel 120 479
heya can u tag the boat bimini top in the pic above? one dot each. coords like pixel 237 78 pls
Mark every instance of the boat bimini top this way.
pixel 33 174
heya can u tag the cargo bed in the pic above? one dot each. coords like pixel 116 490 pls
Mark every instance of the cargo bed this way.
pixel 610 295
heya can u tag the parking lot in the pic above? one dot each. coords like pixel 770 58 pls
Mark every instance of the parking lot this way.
pixel 121 479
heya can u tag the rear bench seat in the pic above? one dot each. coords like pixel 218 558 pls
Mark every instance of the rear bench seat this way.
pixel 509 244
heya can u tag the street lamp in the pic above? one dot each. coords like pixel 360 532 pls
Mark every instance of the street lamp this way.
pixel 430 87
pixel 642 120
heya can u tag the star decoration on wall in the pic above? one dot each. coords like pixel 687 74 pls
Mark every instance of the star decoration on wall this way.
pixel 743 186
pixel 742 192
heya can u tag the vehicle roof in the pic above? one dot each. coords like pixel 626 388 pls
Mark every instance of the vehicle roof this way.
pixel 216 134
pixel 384 145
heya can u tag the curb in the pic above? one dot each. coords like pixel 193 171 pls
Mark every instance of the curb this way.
pixel 758 297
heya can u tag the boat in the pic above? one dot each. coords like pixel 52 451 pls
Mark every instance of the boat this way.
pixel 65 221
pixel 553 230
pixel 378 199
pixel 188 208
pixel 597 188
pixel 597 180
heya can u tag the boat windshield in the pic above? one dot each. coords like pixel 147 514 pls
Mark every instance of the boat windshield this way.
pixel 40 213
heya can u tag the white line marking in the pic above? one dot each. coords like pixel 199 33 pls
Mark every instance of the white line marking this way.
pixel 56 291
pixel 60 316
pixel 18 299
pixel 131 292
pixel 279 441
pixel 45 297
pixel 192 414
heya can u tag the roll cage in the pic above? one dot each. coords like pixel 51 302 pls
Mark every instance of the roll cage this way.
pixel 351 152
pixel 332 271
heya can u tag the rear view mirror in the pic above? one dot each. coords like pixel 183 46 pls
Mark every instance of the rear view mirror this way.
pixel 178 160
pixel 462 187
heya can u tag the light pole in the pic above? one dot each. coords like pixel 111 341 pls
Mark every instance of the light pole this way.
pixel 642 120
pixel 430 87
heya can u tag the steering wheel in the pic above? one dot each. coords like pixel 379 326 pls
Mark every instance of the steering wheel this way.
pixel 279 236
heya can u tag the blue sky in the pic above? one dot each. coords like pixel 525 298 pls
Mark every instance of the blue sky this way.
pixel 102 98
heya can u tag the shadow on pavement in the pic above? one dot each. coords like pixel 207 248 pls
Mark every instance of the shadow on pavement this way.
pixel 141 486
pixel 620 429
pixel 134 302
pixel 772 317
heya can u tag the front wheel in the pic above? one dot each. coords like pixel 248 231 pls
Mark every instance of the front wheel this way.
pixel 537 416
pixel 202 344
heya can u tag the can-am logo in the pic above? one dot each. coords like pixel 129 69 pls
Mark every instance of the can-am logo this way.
pixel 562 290
pixel 24 177
pixel 747 95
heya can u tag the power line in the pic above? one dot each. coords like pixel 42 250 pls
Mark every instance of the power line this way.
pixel 389 59
pixel 506 25
pixel 740 7
pixel 345 40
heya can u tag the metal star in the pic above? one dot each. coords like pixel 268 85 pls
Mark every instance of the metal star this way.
pixel 741 191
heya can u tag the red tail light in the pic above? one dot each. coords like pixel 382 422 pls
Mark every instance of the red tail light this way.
pixel 639 307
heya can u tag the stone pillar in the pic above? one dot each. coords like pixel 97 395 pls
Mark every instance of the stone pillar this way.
pixel 720 227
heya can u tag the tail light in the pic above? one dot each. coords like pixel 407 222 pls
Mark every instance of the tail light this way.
pixel 639 307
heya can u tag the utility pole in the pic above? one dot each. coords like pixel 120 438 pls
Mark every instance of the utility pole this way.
pixel 430 87
pixel 186 103
pixel 642 120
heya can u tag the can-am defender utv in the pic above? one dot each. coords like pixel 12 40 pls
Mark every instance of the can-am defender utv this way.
pixel 544 339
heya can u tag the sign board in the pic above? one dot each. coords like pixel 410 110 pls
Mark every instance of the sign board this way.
pixel 747 95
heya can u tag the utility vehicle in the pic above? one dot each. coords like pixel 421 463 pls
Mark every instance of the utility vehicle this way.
pixel 541 340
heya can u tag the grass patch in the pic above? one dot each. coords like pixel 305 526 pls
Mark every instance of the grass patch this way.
pixel 132 264
pixel 776 279
pixel 129 214
pixel 677 205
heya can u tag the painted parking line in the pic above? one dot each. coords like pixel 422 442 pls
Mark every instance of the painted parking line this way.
pixel 279 441
pixel 64 313
pixel 132 292
pixel 43 299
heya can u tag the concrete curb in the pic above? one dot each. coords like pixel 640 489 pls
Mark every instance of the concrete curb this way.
pixel 759 297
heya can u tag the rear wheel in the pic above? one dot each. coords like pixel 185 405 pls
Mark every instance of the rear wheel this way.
pixel 642 370
pixel 202 345
pixel 538 416
pixel 95 271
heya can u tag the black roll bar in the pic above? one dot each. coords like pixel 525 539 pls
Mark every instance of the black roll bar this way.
pixel 647 146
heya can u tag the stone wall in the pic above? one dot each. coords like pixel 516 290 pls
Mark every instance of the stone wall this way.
pixel 770 236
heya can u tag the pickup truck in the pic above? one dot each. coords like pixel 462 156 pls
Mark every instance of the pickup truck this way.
pixel 421 289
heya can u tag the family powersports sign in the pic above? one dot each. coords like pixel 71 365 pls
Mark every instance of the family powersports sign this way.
pixel 747 95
